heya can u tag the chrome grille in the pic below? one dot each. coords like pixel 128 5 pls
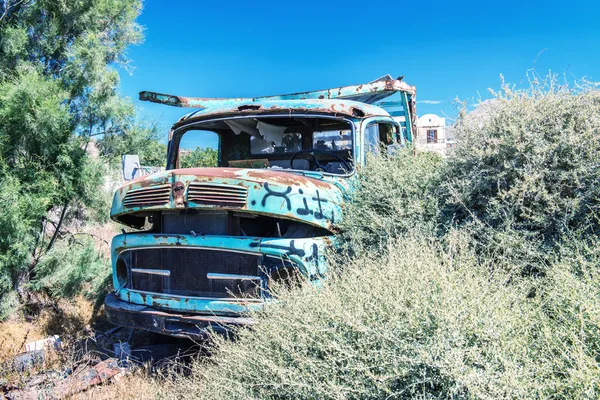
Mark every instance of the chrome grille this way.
pixel 150 196
pixel 194 272
pixel 218 195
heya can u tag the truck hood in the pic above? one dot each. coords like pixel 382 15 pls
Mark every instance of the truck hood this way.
pixel 261 191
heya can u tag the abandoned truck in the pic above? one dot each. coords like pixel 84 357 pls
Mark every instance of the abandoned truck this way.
pixel 209 242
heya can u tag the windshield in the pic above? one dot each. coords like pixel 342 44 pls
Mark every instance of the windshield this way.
pixel 293 143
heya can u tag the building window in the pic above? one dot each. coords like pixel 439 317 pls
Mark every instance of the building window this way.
pixel 431 135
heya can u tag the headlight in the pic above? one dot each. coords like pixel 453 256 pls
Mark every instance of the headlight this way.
pixel 122 271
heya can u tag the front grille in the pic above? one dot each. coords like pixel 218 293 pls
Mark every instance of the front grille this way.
pixel 194 272
pixel 217 195
pixel 150 196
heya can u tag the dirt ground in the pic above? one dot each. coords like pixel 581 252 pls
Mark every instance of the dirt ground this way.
pixel 84 364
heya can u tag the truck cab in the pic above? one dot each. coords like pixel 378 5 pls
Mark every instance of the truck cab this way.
pixel 209 242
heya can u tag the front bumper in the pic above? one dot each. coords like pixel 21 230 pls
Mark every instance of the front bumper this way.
pixel 181 325
pixel 190 316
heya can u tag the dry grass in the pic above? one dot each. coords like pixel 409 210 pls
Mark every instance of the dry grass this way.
pixel 65 318
pixel 46 314
pixel 136 385
pixel 15 333
pixel 69 319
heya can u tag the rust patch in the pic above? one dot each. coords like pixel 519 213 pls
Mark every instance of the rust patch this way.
pixel 257 175
pixel 287 179
pixel 227 173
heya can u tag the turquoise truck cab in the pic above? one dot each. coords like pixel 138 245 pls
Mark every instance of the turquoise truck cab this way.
pixel 209 242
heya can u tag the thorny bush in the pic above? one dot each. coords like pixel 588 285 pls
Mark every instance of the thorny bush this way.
pixel 526 171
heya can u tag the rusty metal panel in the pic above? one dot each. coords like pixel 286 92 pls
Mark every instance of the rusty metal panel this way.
pixel 148 196
pixel 217 194
pixel 366 93
pixel 307 255
pixel 291 196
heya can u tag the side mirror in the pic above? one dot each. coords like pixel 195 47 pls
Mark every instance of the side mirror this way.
pixel 131 166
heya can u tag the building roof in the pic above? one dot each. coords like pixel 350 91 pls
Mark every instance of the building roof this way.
pixel 431 120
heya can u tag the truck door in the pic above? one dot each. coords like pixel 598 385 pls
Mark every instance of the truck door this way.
pixel 380 134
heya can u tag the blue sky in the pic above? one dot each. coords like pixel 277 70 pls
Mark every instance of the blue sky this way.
pixel 446 49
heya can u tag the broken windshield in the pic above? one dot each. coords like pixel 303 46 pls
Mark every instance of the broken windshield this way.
pixel 293 143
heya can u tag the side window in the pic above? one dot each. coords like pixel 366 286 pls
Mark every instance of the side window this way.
pixel 378 134
pixel 198 148
pixel 333 140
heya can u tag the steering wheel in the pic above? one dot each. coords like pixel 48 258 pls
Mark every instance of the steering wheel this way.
pixel 319 165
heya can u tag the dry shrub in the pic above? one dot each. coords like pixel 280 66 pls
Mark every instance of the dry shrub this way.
pixel 66 318
pixel 526 171
pixel 15 333
pixel 419 321
pixel 69 319
pixel 439 312
pixel 135 385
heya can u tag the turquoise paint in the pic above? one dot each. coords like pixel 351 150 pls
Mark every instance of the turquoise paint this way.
pixel 367 93
pixel 306 254
pixel 263 187
pixel 346 108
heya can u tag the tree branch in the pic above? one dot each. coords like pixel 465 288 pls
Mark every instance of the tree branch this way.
pixel 20 3
pixel 56 231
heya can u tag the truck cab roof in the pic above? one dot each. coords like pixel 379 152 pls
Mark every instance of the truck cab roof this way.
pixel 341 107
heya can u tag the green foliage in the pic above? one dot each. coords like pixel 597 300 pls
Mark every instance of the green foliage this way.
pixel 36 137
pixel 20 223
pixel 73 266
pixel 396 194
pixel 94 200
pixel 135 138
pixel 57 90
pixel 34 119
pixel 10 302
pixel 153 153
pixel 73 42
pixel 200 157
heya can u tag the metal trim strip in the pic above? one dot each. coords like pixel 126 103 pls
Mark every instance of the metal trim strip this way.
pixel 214 275
pixel 161 272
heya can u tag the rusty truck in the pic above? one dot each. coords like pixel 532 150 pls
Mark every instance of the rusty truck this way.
pixel 207 243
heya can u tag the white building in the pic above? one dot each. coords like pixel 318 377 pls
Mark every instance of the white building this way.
pixel 433 134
